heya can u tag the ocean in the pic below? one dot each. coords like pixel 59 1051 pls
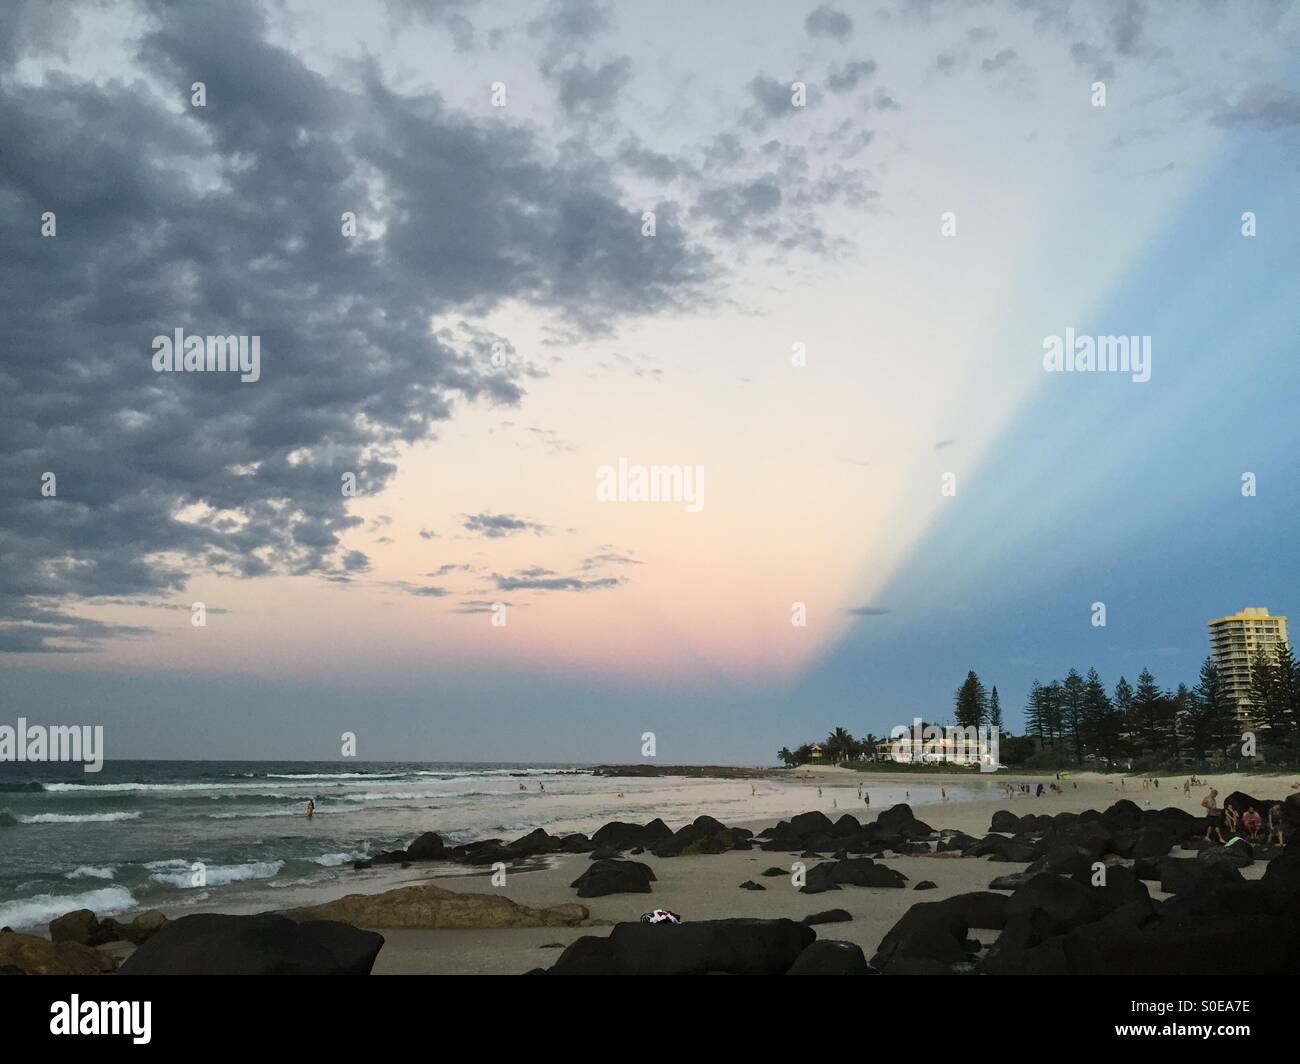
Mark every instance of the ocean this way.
pixel 129 837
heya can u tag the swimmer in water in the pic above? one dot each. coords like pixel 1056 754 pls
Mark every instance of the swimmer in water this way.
pixel 311 808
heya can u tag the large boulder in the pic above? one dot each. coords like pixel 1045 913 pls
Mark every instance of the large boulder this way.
pixel 428 847
pixel 735 947
pixel 425 906
pixel 1005 821
pixel 618 835
pixel 1154 840
pixel 1023 931
pixel 614 877
pixel 927 932
pixel 830 958
pixel 1067 903
pixel 851 872
pixel 34 955
pixel 1181 875
pixel 266 944
pixel 1118 887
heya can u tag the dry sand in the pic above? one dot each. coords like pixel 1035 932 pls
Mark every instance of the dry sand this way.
pixel 707 886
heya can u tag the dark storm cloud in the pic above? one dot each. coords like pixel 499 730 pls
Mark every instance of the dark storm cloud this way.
pixel 870 611
pixel 825 21
pixel 226 220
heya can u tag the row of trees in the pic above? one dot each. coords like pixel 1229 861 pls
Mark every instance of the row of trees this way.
pixel 1077 717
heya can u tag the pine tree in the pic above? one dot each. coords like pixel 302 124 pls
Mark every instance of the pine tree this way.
pixel 1124 711
pixel 1053 720
pixel 1072 711
pixel 1148 714
pixel 1213 719
pixel 1034 712
pixel 1268 704
pixel 1102 724
pixel 995 712
pixel 971 703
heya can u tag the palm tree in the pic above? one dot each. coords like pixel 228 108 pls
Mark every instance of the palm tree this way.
pixel 839 744
pixel 786 758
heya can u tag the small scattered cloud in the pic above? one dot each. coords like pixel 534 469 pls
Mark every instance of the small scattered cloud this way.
pixel 497 526
pixel 828 23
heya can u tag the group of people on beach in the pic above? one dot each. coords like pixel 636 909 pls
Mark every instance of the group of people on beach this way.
pixel 1241 823
pixel 1038 791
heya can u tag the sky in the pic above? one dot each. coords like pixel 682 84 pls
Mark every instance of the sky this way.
pixel 809 253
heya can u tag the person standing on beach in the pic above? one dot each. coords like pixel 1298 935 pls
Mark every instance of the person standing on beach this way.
pixel 867 797
pixel 1215 817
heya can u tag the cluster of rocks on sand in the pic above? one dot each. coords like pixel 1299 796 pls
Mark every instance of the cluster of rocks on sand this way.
pixel 1083 904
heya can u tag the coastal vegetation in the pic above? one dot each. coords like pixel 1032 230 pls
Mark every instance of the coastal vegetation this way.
pixel 1077 722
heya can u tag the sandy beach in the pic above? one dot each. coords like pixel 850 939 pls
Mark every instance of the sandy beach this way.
pixel 707 886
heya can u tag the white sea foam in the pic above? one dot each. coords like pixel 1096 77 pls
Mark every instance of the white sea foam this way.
pixel 178 872
pixel 333 860
pixel 91 872
pixel 40 909
pixel 76 818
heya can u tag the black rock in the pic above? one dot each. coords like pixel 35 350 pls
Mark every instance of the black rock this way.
pixel 267 944
pixel 1181 875
pixel 736 947
pixel 614 877
pixel 428 847
pixel 830 916
pixel 774 871
pixel 856 872
pixel 1004 821
pixel 925 884
pixel 749 884
pixel 830 958
pixel 1066 902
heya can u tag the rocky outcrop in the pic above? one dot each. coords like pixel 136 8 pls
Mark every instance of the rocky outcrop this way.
pixel 267 944
pixel 425 906
pixel 33 955
pixel 81 925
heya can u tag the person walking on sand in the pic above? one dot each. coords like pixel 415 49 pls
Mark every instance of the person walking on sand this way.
pixel 1214 816
pixel 866 797
pixel 311 808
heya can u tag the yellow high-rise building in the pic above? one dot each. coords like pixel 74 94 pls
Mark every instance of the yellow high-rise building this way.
pixel 1234 642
